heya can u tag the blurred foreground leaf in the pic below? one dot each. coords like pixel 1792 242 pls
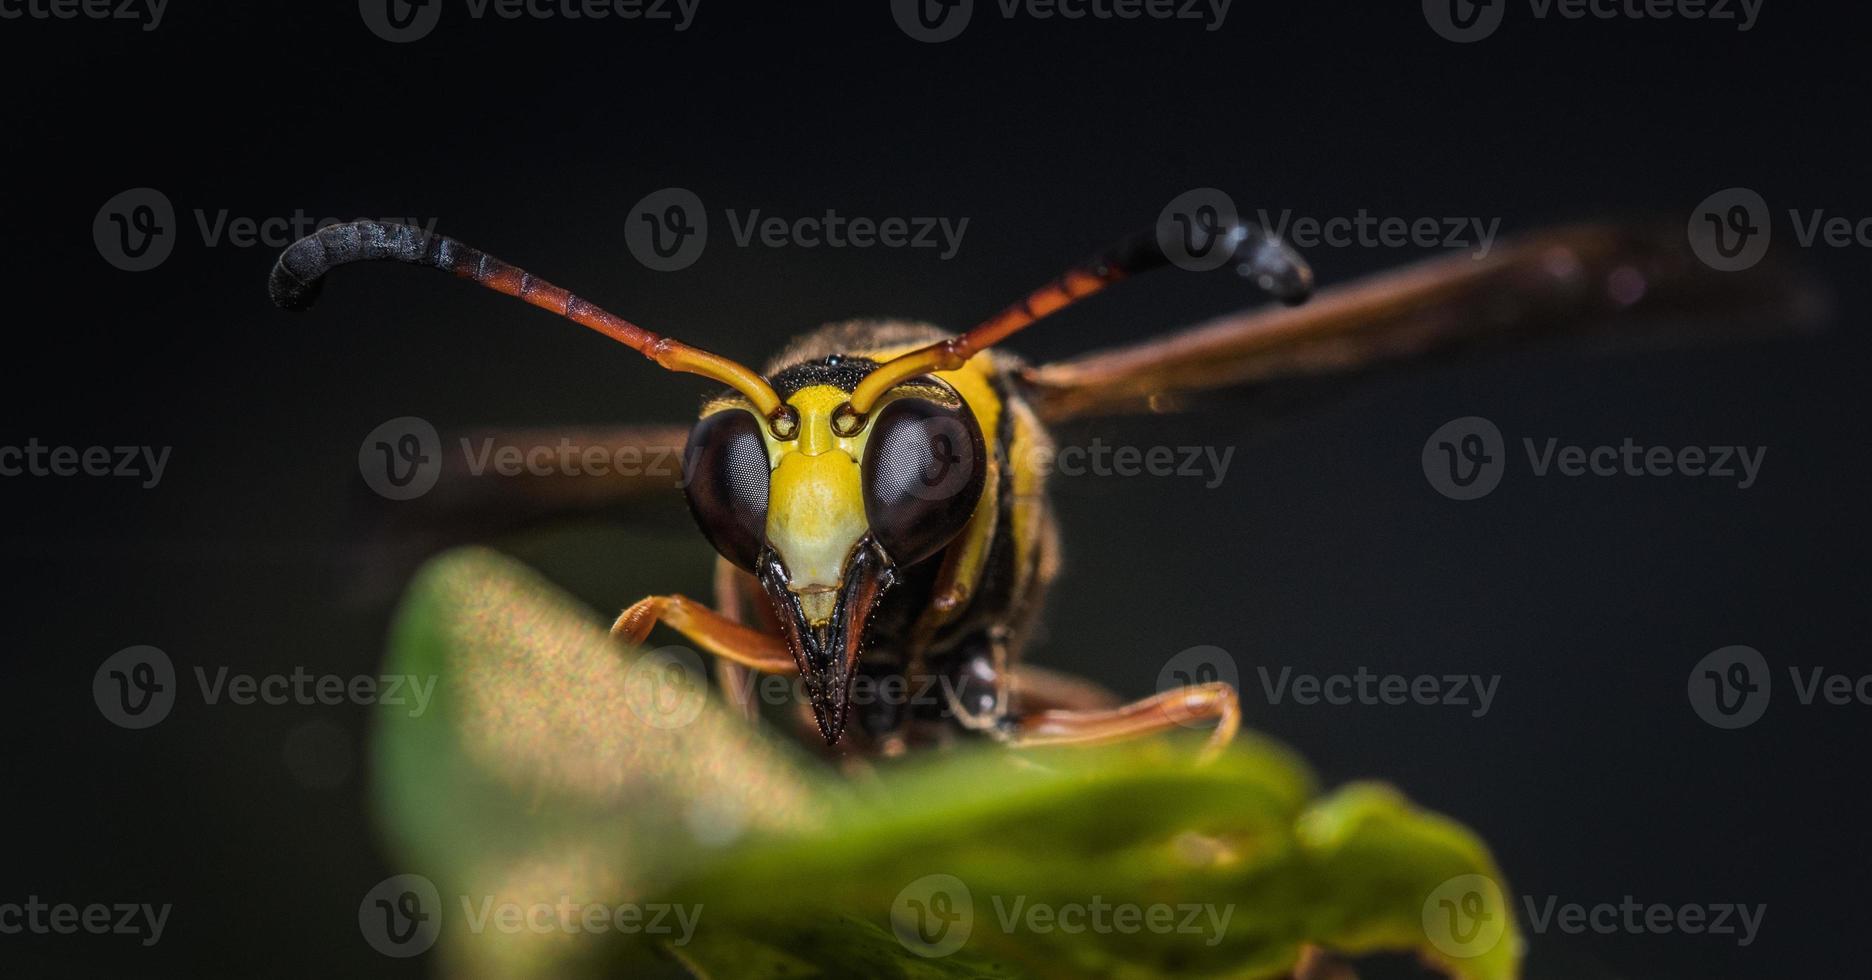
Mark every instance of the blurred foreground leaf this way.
pixel 554 774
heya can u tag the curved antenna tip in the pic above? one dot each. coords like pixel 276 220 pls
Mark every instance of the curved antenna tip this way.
pixel 1273 265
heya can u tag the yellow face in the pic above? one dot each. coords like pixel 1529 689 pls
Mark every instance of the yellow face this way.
pixel 815 505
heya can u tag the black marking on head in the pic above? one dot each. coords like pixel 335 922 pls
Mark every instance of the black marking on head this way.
pixel 853 335
pixel 841 371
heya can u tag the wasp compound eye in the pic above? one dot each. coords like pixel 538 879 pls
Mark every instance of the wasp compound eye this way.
pixel 923 471
pixel 725 475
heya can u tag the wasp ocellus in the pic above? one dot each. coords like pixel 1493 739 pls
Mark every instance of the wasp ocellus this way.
pixel 872 492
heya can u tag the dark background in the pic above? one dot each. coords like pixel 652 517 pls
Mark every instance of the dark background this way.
pixel 1325 549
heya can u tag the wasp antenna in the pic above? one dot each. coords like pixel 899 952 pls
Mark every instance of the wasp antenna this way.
pixel 1256 254
pixel 300 273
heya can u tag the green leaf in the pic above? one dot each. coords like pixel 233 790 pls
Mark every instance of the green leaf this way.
pixel 543 772
pixel 536 772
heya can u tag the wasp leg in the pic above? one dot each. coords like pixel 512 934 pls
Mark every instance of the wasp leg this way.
pixel 731 677
pixel 1040 689
pixel 707 629
pixel 636 480
pixel 1317 964
pixel 1158 713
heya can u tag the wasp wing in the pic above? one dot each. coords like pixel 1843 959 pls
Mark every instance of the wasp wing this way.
pixel 1619 286
pixel 497 482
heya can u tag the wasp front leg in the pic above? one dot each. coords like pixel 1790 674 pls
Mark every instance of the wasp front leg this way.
pixel 729 640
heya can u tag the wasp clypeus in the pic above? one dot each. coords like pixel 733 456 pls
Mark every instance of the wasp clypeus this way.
pixel 871 495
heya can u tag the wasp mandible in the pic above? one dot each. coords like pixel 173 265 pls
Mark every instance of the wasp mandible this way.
pixel 872 495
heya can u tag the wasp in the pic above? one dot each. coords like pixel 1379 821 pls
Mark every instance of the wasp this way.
pixel 874 492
